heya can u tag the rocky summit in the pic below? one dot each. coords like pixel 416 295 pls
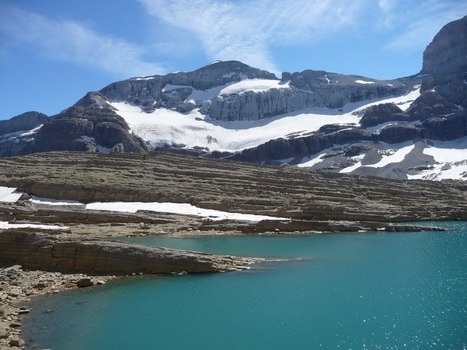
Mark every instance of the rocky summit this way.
pixel 408 128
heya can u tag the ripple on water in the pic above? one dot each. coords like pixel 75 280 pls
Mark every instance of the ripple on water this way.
pixel 358 291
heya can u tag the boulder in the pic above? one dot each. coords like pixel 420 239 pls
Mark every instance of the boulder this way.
pixel 382 113
pixel 398 133
pixel 446 128
pixel 84 282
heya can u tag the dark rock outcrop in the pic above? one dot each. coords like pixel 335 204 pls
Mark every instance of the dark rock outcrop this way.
pixel 445 63
pixel 399 133
pixel 43 252
pixel 23 122
pixel 446 128
pixel 430 104
pixel 88 125
pixel 17 134
pixel 378 114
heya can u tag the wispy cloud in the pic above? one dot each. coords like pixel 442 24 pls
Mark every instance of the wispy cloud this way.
pixel 422 22
pixel 73 42
pixel 245 30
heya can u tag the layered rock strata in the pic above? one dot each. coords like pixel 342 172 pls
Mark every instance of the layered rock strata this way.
pixel 232 186
pixel 43 252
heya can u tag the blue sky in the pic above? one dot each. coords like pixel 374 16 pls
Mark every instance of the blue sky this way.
pixel 53 51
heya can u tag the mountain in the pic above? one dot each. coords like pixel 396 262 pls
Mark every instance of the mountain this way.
pixel 408 128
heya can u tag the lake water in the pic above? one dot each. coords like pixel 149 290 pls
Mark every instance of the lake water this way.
pixel 357 291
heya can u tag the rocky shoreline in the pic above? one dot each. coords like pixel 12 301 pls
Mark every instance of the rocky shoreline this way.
pixel 34 264
pixel 17 288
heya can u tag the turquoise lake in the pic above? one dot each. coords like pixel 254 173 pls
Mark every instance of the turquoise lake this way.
pixel 356 291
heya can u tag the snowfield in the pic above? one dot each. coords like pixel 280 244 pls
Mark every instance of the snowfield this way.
pixel 254 85
pixel 451 159
pixel 177 208
pixel 9 194
pixel 165 127
pixel 4 225
pixel 364 82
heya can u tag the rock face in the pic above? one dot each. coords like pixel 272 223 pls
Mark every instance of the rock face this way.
pixel 90 125
pixel 383 113
pixel 438 114
pixel 17 134
pixel 445 63
pixel 42 252
pixel 306 89
pixel 149 93
pixel 23 122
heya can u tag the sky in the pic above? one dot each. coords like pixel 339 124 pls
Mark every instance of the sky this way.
pixel 52 51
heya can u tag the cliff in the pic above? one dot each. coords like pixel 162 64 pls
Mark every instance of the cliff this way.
pixel 43 252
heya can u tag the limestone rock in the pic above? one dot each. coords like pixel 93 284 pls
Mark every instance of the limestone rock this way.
pixel 83 128
pixel 382 113
pixel 16 341
pixel 49 253
pixel 85 282
pixel 430 104
pixel 4 333
pixel 445 62
pixel 446 128
pixel 398 133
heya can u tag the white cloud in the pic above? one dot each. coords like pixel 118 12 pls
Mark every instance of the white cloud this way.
pixel 245 30
pixel 73 42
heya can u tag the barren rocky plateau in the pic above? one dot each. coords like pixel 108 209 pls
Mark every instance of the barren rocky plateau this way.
pixel 306 197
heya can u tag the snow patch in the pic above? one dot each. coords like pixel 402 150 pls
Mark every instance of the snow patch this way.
pixel 166 127
pixel 177 208
pixel 364 82
pixel 397 156
pixel 102 149
pixel 451 158
pixel 358 163
pixel 21 133
pixel 308 162
pixel 254 85
pixel 403 102
pixel 9 194
pixel 144 78
pixel 4 225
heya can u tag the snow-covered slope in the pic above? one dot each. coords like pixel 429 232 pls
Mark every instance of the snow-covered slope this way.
pixel 165 127
pixel 194 130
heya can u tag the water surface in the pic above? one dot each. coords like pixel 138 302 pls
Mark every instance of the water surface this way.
pixel 357 291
